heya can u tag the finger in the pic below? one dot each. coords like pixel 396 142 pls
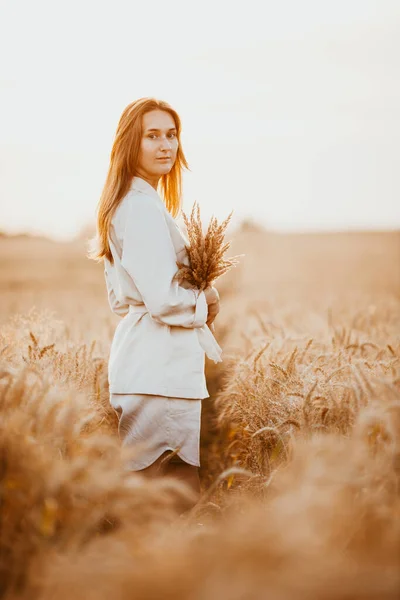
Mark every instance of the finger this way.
pixel 210 321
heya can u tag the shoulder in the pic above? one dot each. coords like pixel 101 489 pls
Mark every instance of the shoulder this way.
pixel 135 203
pixel 143 206
pixel 139 200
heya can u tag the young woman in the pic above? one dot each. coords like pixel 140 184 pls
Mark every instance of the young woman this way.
pixel 156 363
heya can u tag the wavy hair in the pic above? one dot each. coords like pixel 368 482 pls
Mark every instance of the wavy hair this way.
pixel 122 169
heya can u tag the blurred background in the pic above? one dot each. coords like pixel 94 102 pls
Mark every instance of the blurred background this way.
pixel 291 118
pixel 290 110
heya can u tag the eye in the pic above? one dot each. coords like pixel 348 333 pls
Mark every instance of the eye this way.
pixel 173 134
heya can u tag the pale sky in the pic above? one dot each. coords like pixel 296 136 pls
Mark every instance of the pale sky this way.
pixel 290 109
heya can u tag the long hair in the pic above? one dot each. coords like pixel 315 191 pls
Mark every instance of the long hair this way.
pixel 122 168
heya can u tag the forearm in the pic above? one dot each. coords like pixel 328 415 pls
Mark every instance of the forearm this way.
pixel 180 308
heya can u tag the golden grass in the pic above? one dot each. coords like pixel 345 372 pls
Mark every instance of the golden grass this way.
pixel 205 251
pixel 300 439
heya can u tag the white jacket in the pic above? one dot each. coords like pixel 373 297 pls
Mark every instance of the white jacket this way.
pixel 159 345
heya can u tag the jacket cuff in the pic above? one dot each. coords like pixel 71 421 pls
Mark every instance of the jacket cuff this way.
pixel 201 309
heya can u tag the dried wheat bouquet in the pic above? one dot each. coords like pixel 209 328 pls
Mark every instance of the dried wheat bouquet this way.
pixel 205 252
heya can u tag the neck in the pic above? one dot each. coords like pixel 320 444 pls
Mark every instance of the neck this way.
pixel 151 179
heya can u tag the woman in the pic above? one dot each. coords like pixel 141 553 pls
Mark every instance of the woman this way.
pixel 156 363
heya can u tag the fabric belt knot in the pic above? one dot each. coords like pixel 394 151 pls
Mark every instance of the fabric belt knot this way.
pixel 209 344
pixel 204 334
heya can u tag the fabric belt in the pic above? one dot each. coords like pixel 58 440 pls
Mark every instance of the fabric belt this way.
pixel 138 309
pixel 204 334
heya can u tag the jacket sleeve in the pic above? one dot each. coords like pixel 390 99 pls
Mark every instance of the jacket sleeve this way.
pixel 117 307
pixel 148 256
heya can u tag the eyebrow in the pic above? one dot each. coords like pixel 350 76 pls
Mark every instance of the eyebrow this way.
pixel 153 129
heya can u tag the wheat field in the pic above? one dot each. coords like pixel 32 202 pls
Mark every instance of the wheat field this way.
pixel 300 445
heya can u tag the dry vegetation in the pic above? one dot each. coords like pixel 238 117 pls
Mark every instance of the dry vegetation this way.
pixel 300 438
pixel 206 251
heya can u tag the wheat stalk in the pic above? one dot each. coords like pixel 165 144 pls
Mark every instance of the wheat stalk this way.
pixel 205 252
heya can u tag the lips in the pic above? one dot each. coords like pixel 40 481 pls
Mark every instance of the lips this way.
pixel 164 158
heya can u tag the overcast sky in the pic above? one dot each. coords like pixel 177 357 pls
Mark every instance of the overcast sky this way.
pixel 290 109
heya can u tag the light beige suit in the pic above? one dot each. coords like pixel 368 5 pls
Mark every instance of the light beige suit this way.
pixel 159 345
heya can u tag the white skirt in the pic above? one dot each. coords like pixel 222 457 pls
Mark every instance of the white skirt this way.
pixel 155 424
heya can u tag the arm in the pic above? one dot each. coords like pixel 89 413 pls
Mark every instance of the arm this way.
pixel 149 257
pixel 119 309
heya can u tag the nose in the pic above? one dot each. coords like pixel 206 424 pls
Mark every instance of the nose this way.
pixel 166 144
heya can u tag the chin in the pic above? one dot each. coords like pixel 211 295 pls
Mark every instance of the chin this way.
pixel 164 169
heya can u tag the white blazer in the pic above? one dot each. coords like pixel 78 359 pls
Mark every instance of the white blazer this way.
pixel 159 345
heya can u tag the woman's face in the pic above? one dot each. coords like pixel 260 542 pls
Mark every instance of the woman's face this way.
pixel 159 144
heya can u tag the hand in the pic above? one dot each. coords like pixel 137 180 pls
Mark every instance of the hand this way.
pixel 211 294
pixel 212 298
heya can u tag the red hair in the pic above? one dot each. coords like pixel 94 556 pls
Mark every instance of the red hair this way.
pixel 122 169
